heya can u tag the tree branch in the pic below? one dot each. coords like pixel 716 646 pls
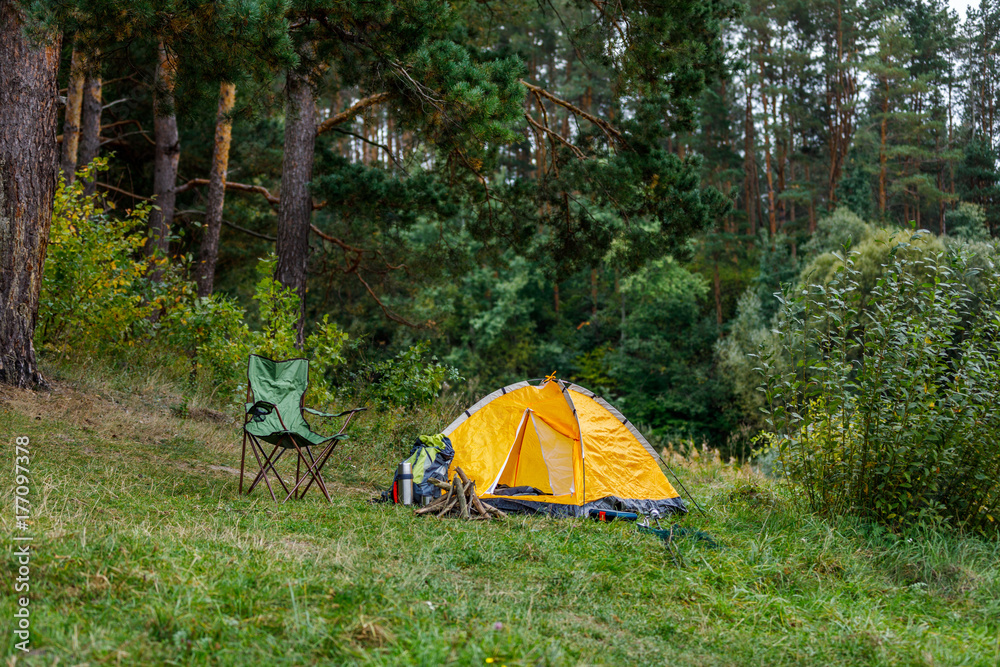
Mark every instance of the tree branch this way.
pixel 238 187
pixel 610 130
pixel 257 189
pixel 373 143
pixel 334 240
pixel 108 186
pixel 241 187
pixel 231 225
pixel 351 112
pixel 557 136
pixel 388 313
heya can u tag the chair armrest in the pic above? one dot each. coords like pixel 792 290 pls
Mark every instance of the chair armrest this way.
pixel 256 412
pixel 330 414
pixel 263 406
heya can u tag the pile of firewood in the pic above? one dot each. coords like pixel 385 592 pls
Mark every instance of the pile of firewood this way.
pixel 460 500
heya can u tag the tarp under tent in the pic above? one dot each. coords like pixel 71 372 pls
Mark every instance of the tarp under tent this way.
pixel 558 448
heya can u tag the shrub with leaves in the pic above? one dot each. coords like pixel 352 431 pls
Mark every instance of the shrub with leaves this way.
pixel 407 379
pixel 881 401
pixel 214 333
pixel 99 298
pixel 91 299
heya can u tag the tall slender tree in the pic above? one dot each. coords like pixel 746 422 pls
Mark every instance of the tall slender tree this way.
pixel 74 107
pixel 295 209
pixel 90 116
pixel 168 153
pixel 205 273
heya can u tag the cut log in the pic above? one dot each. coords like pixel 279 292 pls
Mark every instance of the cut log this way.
pixel 439 484
pixel 434 506
pixel 476 502
pixel 447 508
pixel 463 502
pixel 493 510
pixel 460 499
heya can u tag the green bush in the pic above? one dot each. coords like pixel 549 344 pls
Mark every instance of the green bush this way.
pixel 840 228
pixel 407 379
pixel 968 222
pixel 881 400
pixel 213 332
pixel 91 299
pixel 662 364
pixel 756 327
pixel 99 299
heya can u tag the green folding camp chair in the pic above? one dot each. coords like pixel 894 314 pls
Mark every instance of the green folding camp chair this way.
pixel 274 415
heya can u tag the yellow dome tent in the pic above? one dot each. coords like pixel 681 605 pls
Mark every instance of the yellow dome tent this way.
pixel 562 450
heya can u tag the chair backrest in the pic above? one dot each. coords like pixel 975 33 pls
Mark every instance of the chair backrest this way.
pixel 280 382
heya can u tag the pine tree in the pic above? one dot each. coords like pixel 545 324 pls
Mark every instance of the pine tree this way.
pixel 978 179
pixel 209 252
pixel 28 172
pixel 168 153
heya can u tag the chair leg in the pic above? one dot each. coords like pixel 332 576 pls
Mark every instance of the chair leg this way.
pixel 243 457
pixel 269 461
pixel 263 470
pixel 298 451
pixel 323 456
pixel 319 477
pixel 311 472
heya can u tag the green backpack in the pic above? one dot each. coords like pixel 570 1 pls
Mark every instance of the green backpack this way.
pixel 430 457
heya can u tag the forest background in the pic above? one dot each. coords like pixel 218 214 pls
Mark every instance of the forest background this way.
pixel 549 211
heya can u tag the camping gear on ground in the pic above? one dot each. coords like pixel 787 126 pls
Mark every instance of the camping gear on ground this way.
pixel 406 482
pixel 504 490
pixel 566 442
pixel 429 460
pixel 274 415
pixel 611 515
pixel 460 500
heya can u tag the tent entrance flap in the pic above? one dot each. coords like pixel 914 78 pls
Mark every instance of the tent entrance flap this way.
pixel 540 457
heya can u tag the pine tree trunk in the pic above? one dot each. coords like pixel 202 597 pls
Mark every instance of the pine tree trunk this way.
pixel 771 220
pixel 882 153
pixel 812 204
pixel 717 291
pixel 167 156
pixel 71 124
pixel 837 130
pixel 295 209
pixel 90 120
pixel 29 163
pixel 390 138
pixel 749 163
pixel 621 308
pixel 783 140
pixel 216 189
pixel 941 223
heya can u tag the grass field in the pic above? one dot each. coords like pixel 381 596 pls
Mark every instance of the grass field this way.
pixel 145 554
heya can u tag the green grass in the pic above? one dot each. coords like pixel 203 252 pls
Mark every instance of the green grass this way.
pixel 144 554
